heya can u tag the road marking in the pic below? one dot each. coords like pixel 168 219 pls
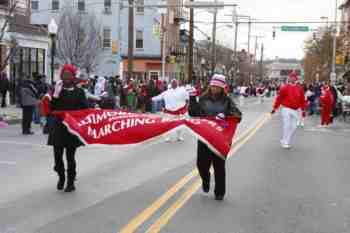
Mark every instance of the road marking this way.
pixel 165 218
pixel 8 162
pixel 169 213
pixel 147 213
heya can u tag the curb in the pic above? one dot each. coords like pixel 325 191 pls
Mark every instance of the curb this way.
pixel 13 121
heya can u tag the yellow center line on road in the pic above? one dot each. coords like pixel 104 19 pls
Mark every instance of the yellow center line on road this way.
pixel 148 212
pixel 165 218
pixel 169 213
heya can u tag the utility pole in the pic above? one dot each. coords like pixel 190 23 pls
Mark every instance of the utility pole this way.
pixel 261 62
pixel 131 40
pixel 235 57
pixel 163 42
pixel 333 75
pixel 190 47
pixel 249 35
pixel 256 47
pixel 214 42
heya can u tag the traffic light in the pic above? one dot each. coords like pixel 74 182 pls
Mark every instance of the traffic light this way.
pixel 340 60
pixel 314 36
pixel 273 34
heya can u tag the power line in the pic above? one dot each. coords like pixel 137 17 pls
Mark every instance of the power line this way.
pixel 276 22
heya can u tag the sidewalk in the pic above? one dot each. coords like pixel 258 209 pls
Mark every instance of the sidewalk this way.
pixel 11 114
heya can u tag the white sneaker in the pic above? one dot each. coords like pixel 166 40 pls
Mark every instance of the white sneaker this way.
pixel 167 140
pixel 180 139
pixel 284 145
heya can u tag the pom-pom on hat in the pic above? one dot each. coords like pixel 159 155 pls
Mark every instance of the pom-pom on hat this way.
pixel 68 72
pixel 218 80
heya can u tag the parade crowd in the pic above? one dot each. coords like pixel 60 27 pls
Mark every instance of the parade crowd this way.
pixel 175 99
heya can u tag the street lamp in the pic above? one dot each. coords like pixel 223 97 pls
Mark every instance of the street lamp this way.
pixel 53 28
pixel 333 75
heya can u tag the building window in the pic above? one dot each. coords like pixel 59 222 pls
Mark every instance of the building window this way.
pixel 35 5
pixel 154 75
pixel 55 5
pixel 81 5
pixel 108 6
pixel 108 3
pixel 139 39
pixel 140 9
pixel 106 37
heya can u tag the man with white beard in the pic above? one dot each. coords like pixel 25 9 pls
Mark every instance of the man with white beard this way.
pixel 176 99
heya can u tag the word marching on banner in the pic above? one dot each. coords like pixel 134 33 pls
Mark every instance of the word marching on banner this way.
pixel 113 127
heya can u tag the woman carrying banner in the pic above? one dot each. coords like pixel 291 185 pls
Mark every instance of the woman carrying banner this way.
pixel 66 97
pixel 213 103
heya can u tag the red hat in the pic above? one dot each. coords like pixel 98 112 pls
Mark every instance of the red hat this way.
pixel 292 76
pixel 68 72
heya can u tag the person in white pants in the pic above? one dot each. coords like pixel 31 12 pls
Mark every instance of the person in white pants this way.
pixel 176 99
pixel 291 97
pixel 290 119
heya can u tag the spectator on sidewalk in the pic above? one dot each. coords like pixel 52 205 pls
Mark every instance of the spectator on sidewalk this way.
pixel 326 102
pixel 4 87
pixel 29 99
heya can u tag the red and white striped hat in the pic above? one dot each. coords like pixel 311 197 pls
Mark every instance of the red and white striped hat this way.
pixel 218 80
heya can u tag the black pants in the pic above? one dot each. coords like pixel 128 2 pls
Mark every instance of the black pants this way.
pixel 71 164
pixel 205 158
pixel 27 118
pixel 3 99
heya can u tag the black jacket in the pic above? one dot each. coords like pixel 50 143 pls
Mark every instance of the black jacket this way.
pixel 67 101
pixel 208 106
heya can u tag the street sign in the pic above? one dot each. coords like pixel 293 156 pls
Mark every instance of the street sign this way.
pixel 295 28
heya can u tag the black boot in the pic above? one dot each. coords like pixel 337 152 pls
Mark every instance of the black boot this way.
pixel 70 184
pixel 61 180
pixel 70 187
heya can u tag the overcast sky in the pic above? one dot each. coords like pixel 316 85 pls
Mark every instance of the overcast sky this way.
pixel 286 45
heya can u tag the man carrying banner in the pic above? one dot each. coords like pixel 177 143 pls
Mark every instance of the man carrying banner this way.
pixel 176 99
pixel 291 97
pixel 213 103
pixel 66 97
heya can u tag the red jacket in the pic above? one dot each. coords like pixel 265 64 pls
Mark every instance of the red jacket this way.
pixel 45 105
pixel 326 98
pixel 290 96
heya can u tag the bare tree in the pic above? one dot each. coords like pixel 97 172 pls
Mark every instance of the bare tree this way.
pixel 79 39
pixel 11 42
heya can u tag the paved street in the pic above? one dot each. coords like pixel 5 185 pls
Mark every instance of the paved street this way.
pixel 155 188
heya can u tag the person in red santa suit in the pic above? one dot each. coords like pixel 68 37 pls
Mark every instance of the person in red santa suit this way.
pixel 326 102
pixel 176 100
pixel 290 98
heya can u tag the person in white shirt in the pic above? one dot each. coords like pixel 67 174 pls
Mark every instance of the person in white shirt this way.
pixel 176 99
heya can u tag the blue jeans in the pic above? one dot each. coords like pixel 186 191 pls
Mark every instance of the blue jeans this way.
pixel 36 115
pixel 157 106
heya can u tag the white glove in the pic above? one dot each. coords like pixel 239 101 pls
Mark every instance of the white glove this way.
pixel 58 89
pixel 104 94
pixel 220 116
